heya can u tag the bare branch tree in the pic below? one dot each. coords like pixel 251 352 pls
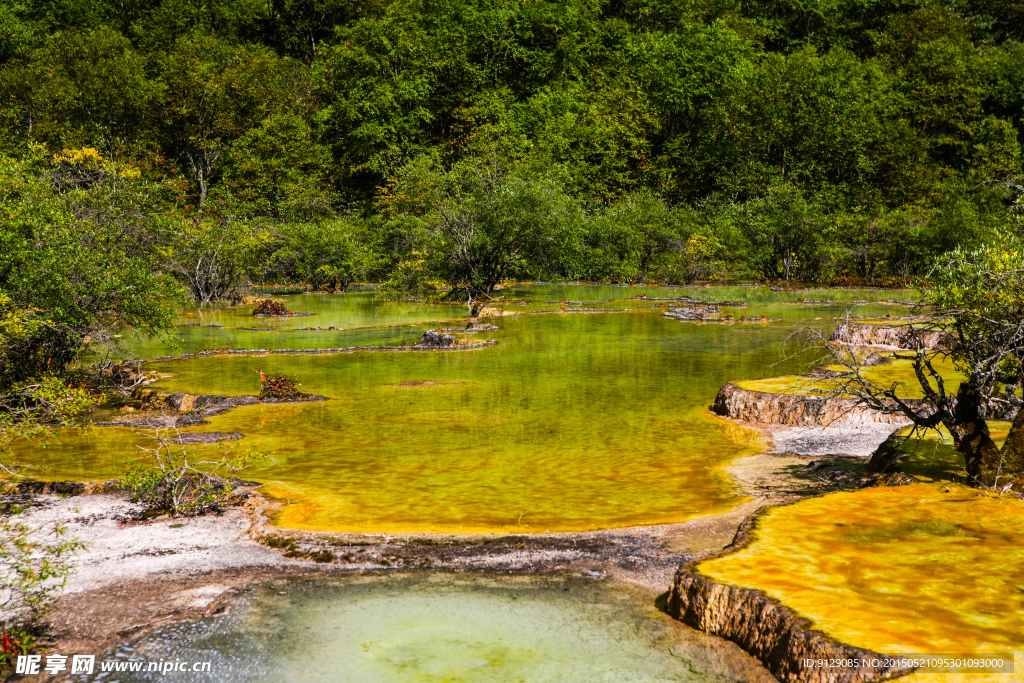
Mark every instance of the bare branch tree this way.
pixel 988 391
pixel 178 480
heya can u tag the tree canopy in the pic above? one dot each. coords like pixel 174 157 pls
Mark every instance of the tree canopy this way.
pixel 845 140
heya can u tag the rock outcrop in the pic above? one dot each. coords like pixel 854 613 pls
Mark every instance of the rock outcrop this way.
pixel 160 409
pixel 494 312
pixel 710 313
pixel 769 632
pixel 890 336
pixel 436 339
pixel 695 312
pixel 795 409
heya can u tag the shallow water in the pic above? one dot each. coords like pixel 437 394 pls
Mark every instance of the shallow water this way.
pixel 894 373
pixel 572 422
pixel 432 628
pixel 932 457
pixel 364 319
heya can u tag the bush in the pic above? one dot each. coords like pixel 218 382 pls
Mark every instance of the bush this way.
pixel 412 280
pixel 280 387
pixel 329 255
pixel 34 565
pixel 179 482
pixel 14 641
pixel 271 307
pixel 698 258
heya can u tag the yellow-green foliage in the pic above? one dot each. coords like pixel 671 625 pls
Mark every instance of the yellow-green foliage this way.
pixel 89 160
pixel 919 568
pixel 411 279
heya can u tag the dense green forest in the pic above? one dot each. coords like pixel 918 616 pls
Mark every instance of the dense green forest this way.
pixel 178 147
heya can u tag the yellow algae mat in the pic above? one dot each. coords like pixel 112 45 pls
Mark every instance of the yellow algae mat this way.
pixel 912 569
pixel 899 371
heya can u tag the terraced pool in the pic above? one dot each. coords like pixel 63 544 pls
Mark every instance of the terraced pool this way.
pixel 572 421
pixel 437 628
pixel 924 568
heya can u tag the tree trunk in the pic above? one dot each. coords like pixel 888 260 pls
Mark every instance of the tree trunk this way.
pixel 1012 455
pixel 202 189
pixel 972 438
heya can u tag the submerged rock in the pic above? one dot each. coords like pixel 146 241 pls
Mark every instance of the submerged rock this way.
pixel 494 312
pixel 205 437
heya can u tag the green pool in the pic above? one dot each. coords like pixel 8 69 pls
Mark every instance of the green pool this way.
pixel 572 421
pixel 396 629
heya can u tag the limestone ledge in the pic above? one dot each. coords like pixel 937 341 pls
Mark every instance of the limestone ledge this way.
pixel 794 409
pixel 889 336
pixel 768 630
pixel 316 352
pixel 179 409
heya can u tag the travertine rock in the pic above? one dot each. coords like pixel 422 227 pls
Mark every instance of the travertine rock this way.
pixel 795 409
pixel 892 336
pixel 769 632
pixel 437 339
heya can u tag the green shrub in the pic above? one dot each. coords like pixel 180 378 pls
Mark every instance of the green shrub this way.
pixel 34 565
